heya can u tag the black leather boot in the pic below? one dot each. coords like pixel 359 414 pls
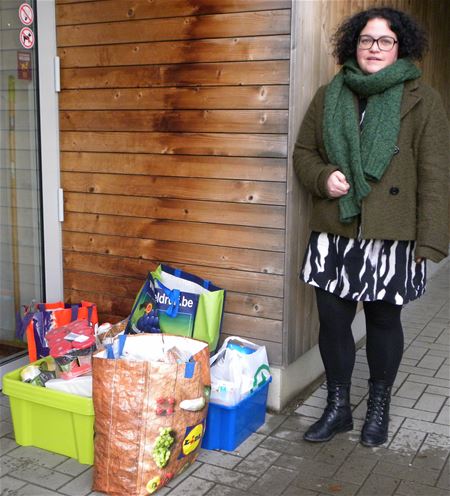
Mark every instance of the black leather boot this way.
pixel 337 416
pixel 375 428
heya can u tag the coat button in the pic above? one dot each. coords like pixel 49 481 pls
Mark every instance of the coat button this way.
pixel 394 191
pixel 396 150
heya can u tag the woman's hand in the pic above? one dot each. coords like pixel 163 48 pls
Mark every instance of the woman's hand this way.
pixel 337 185
pixel 419 259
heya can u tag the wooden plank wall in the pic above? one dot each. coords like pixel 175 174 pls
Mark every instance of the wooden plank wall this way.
pixel 314 21
pixel 174 122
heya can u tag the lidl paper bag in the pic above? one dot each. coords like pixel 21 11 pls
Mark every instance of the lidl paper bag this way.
pixel 150 409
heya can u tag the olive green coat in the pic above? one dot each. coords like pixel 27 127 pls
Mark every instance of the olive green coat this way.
pixel 410 202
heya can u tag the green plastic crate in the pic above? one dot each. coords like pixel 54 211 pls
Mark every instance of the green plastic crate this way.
pixel 52 420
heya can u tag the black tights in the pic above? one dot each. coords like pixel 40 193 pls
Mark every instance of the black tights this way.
pixel 384 340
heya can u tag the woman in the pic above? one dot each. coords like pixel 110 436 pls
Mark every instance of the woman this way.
pixel 373 150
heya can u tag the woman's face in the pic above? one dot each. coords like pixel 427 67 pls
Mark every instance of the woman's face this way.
pixel 374 59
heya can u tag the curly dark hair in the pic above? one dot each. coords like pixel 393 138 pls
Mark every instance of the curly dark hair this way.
pixel 412 39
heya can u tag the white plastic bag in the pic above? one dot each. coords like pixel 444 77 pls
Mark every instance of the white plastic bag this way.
pixel 239 367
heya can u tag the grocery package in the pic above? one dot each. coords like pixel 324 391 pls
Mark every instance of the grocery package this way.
pixel 40 318
pixel 237 369
pixel 38 374
pixel 150 395
pixel 71 346
pixel 176 302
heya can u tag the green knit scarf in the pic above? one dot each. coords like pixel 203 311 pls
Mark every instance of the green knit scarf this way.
pixel 363 155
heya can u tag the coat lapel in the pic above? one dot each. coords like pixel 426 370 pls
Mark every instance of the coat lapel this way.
pixel 410 97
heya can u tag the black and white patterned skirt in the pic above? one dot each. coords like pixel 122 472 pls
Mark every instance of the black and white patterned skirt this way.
pixel 364 269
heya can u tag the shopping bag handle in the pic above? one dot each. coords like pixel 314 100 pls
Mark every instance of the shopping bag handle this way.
pixel 174 298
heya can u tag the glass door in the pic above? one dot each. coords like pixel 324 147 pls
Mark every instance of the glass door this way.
pixel 21 240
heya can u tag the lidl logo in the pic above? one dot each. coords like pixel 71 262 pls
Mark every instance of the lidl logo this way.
pixel 192 439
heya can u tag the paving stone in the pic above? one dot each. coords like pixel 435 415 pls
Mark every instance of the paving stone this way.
pixel 31 455
pixel 399 401
pixel 80 485
pixel 248 445
pixel 407 440
pixel 305 466
pixel 431 362
pixel 441 353
pixel 219 490
pixel 407 488
pixel 184 474
pixel 296 423
pixel 432 381
pixel 412 413
pixel 409 361
pixel 71 467
pixel 400 379
pixel 444 479
pixel 309 411
pixel 444 416
pixel 302 448
pixel 430 458
pixel 440 346
pixel 360 374
pixel 273 482
pixel 420 425
pixel 9 485
pixel 438 441
pixel 271 423
pixel 384 454
pixel 6 428
pixel 406 472
pixel 335 451
pixel 318 402
pixel 411 390
pixel 33 473
pixel 219 458
pixel 294 491
pixel 5 413
pixel 7 444
pixel 192 485
pixel 433 329
pixel 32 490
pixel 416 352
pixel 355 469
pixel 325 485
pixel 379 485
pixel 224 476
pixel 430 402
pixel 443 372
pixel 362 383
pixel 258 461
pixel 417 370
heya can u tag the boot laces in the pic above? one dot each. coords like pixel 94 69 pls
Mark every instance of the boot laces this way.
pixel 376 408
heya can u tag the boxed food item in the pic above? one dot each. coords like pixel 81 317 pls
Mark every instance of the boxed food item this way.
pixel 52 420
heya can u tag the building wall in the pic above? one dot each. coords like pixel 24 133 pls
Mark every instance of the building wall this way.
pixel 174 122
pixel 178 120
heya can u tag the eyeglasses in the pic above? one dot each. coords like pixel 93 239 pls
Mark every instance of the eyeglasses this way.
pixel 385 43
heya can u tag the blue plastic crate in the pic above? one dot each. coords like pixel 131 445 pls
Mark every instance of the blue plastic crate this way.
pixel 228 426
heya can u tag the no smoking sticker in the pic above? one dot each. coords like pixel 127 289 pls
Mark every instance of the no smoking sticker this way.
pixel 26 38
pixel 26 14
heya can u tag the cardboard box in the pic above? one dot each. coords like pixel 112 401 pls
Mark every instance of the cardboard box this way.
pixel 228 426
pixel 52 420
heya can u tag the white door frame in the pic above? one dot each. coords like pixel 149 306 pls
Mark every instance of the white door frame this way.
pixel 49 125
